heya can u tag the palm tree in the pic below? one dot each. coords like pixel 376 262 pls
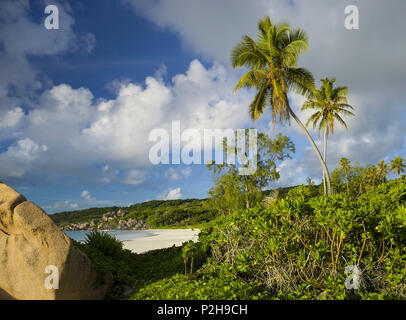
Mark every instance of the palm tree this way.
pixel 329 103
pixel 309 182
pixel 398 166
pixel 383 169
pixel 272 60
pixel 371 175
pixel 345 165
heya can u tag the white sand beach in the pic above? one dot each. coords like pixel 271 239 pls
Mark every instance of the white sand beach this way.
pixel 161 238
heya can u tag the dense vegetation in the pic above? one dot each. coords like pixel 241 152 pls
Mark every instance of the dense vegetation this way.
pixel 172 213
pixel 67 217
pixel 156 213
pixel 299 248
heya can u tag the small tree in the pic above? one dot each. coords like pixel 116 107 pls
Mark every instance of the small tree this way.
pixel 232 191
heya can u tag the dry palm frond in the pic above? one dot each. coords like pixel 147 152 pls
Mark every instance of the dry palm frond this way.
pixel 271 199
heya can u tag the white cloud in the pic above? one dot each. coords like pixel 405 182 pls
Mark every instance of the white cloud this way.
pixel 172 194
pixel 134 177
pixel 81 133
pixel 295 172
pixel 86 195
pixel 84 201
pixel 177 174
pixel 11 118
pixel 18 158
pixel 62 205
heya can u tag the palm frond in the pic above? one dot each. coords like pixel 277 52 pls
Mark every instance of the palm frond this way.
pixel 300 80
pixel 258 105
pixel 253 78
pixel 246 53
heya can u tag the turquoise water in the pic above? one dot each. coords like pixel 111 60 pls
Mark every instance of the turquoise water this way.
pixel 122 235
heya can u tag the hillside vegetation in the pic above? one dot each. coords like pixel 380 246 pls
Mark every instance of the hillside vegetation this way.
pixel 156 213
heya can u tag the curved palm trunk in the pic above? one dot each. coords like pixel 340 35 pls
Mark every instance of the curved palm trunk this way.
pixel 325 169
pixel 324 159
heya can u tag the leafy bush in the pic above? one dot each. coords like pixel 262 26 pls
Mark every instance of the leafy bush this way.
pixel 108 245
pixel 109 259
pixel 209 287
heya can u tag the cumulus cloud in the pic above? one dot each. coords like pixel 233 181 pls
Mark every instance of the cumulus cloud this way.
pixel 74 134
pixel 11 118
pixel 19 158
pixel 172 194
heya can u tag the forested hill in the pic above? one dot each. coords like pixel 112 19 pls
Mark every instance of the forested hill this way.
pixel 156 213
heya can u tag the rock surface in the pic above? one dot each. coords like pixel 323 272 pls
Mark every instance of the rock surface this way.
pixel 29 242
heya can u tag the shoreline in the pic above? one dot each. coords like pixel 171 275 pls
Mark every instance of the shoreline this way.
pixel 153 239
pixel 161 239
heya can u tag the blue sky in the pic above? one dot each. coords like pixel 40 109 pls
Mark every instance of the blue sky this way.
pixel 77 104
pixel 127 47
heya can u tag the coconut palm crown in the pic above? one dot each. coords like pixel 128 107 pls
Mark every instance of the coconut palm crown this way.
pixel 330 103
pixel 398 166
pixel 272 63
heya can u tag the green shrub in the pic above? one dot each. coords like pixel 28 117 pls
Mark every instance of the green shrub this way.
pixel 182 287
pixel 299 247
pixel 108 245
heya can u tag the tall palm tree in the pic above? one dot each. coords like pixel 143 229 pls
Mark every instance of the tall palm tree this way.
pixel 345 165
pixel 272 61
pixel 398 166
pixel 383 169
pixel 330 103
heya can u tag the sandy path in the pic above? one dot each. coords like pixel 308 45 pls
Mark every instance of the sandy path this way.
pixel 162 238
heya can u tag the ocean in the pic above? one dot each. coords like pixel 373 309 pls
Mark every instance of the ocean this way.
pixel 122 235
